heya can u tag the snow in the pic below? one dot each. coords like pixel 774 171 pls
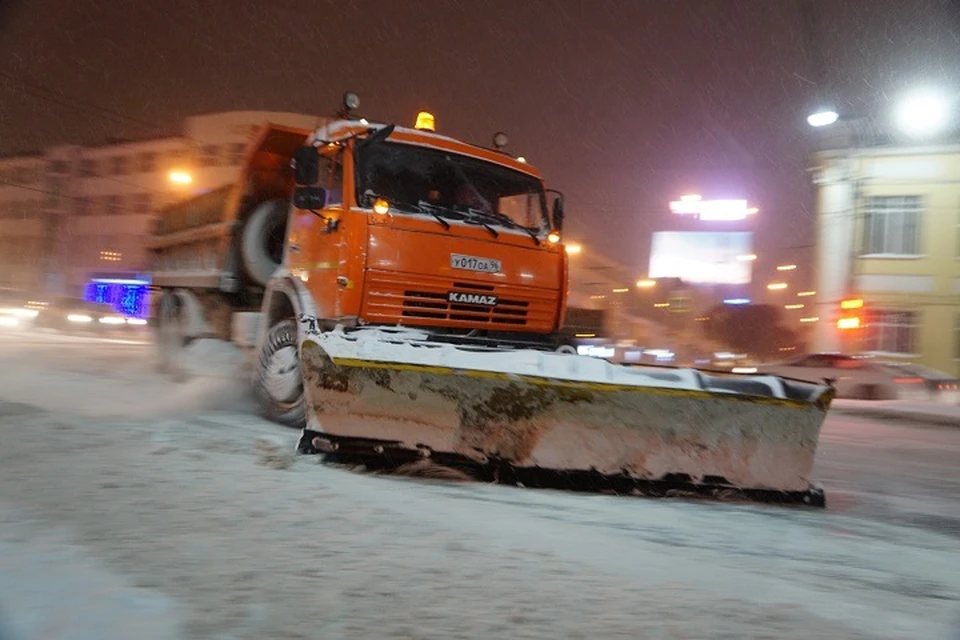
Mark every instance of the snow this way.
pixel 928 412
pixel 185 524
pixel 387 346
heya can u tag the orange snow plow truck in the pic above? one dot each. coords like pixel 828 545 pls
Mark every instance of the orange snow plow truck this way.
pixel 405 294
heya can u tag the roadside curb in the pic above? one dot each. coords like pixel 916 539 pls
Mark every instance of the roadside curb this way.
pixel 905 416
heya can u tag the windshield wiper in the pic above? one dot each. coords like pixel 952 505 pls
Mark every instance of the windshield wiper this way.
pixel 429 209
pixel 476 219
pixel 506 221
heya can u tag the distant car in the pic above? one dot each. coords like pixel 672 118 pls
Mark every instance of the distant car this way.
pixel 75 315
pixel 860 377
pixel 13 308
pixel 923 383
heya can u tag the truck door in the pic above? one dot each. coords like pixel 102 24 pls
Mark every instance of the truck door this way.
pixel 312 250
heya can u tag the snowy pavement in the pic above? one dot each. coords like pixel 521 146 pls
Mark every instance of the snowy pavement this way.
pixel 944 414
pixel 128 496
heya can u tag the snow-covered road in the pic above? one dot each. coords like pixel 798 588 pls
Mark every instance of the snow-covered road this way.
pixel 122 492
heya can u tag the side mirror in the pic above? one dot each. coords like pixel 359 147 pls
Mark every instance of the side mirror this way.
pixel 309 197
pixel 306 165
pixel 558 214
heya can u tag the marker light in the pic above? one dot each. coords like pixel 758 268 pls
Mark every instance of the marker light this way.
pixel 425 121
pixel 573 248
pixel 553 237
pixel 381 206
pixel 499 139
pixel 351 100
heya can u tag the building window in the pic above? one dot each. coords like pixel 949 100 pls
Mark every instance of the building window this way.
pixel 891 225
pixel 956 338
pixel 113 205
pixel 84 207
pixel 143 202
pixel 236 153
pixel 891 331
pixel 210 156
pixel 120 166
pixel 88 168
pixel 147 162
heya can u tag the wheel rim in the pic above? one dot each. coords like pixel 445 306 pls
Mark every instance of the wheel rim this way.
pixel 282 375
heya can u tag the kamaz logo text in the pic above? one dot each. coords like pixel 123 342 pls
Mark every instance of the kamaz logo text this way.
pixel 457 297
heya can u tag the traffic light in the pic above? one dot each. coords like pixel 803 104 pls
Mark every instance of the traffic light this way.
pixel 848 321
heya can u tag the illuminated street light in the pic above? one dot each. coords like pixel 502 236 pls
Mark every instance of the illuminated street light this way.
pixel 777 286
pixel 786 267
pixel 747 257
pixel 621 289
pixel 646 284
pixel 793 306
pixel 823 118
pixel 573 248
pixel 811 319
pixel 922 113
pixel 180 177
pixel 804 294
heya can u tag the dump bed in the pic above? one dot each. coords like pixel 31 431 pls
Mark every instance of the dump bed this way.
pixel 193 243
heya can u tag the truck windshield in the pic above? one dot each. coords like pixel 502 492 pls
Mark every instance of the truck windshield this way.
pixel 410 177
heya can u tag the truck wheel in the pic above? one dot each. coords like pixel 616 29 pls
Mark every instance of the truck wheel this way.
pixel 261 245
pixel 278 383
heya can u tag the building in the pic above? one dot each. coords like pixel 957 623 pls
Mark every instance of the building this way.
pixel 888 243
pixel 69 213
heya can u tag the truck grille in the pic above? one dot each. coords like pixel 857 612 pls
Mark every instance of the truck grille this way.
pixel 422 300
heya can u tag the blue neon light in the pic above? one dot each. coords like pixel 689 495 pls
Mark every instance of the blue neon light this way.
pixel 129 299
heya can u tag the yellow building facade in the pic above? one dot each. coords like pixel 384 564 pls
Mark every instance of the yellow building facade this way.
pixel 888 234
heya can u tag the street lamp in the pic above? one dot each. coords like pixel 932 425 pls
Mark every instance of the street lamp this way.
pixel 922 113
pixel 180 177
pixel 646 284
pixel 823 118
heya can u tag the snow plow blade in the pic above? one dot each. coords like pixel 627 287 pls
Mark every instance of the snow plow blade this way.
pixel 561 421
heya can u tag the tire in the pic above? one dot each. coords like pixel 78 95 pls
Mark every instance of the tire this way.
pixel 869 392
pixel 278 382
pixel 261 243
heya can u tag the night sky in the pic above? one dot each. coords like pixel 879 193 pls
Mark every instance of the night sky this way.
pixel 622 104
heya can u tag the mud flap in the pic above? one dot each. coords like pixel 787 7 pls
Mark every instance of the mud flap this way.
pixel 587 423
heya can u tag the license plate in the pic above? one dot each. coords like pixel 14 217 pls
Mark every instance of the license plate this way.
pixel 473 263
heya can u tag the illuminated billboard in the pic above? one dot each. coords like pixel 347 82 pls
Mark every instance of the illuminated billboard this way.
pixel 712 210
pixel 705 257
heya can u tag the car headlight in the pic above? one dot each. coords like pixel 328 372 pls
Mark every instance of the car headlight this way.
pixel 79 317
pixel 136 321
pixel 9 321
pixel 112 320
